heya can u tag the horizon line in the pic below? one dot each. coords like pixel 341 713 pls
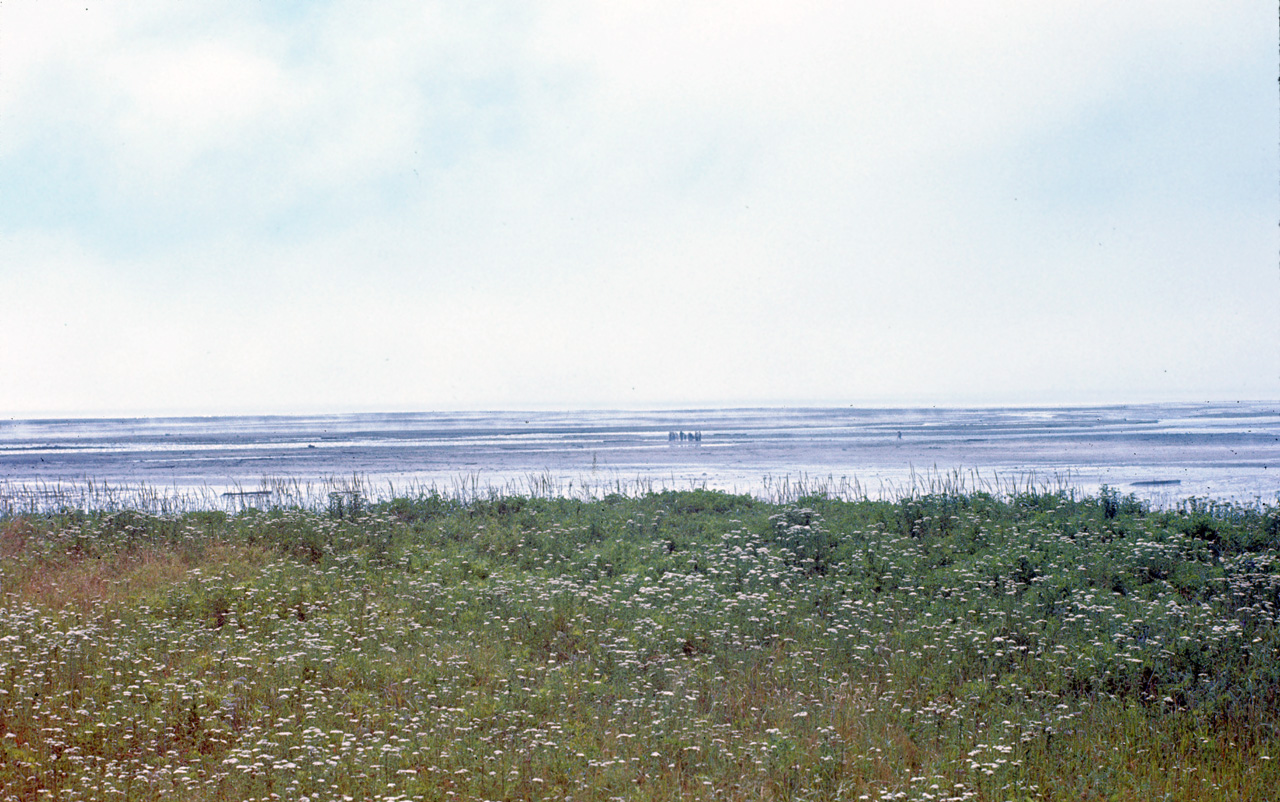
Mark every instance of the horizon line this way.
pixel 49 416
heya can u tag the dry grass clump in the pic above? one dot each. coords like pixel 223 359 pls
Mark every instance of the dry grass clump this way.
pixel 13 536
pixel 95 572
pixel 110 582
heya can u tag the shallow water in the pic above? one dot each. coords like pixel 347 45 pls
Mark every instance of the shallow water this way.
pixel 1159 452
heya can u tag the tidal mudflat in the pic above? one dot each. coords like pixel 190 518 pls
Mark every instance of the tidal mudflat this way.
pixel 1159 452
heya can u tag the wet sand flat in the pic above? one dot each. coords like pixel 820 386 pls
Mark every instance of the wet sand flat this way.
pixel 1225 451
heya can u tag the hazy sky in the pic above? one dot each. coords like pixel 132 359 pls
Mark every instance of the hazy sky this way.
pixel 329 206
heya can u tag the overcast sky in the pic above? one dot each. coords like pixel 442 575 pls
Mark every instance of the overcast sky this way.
pixel 342 206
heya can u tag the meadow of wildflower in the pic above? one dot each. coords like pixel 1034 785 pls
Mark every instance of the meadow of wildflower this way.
pixel 664 645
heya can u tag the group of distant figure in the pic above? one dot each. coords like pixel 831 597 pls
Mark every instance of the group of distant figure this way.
pixel 685 437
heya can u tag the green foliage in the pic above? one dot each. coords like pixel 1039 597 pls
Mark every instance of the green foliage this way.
pixel 673 645
pixel 804 542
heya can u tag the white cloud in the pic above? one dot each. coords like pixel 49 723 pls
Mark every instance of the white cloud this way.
pixel 204 92
pixel 414 205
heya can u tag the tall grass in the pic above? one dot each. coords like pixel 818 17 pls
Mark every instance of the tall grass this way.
pixel 956 644
pixel 40 497
pixel 274 492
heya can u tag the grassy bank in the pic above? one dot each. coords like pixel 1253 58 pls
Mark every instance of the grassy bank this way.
pixel 674 645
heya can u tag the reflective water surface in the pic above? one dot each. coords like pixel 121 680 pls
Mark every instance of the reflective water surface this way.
pixel 1161 452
